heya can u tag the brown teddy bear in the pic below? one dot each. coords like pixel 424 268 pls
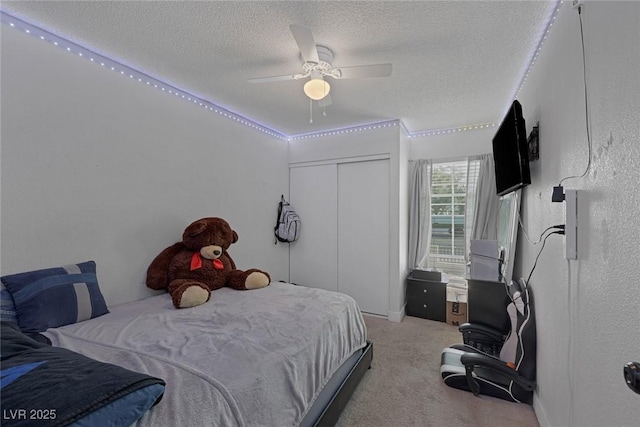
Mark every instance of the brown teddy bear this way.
pixel 191 269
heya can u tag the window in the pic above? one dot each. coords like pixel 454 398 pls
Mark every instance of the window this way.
pixel 451 214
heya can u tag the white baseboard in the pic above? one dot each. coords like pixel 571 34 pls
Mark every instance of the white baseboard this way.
pixel 541 415
pixel 396 316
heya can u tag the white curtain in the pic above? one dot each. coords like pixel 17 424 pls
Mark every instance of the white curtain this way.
pixel 419 212
pixel 485 214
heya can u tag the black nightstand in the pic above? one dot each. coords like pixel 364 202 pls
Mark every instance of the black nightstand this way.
pixel 426 299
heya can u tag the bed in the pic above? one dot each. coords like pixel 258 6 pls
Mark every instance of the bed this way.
pixel 284 355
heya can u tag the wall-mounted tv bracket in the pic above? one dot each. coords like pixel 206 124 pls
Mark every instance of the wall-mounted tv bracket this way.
pixel 632 376
pixel 533 143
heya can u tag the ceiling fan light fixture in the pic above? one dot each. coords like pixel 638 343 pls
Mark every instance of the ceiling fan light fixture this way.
pixel 317 88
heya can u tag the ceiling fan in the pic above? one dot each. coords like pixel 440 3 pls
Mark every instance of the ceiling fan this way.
pixel 317 65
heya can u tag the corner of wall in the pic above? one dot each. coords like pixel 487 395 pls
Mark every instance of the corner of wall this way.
pixel 396 316
pixel 541 415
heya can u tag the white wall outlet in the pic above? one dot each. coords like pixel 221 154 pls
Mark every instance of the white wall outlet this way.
pixel 571 224
pixel 577 3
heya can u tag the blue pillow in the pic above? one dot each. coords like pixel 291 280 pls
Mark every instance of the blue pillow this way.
pixel 56 296
pixel 7 307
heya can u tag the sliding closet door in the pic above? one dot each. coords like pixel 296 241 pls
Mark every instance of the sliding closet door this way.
pixel 312 258
pixel 363 233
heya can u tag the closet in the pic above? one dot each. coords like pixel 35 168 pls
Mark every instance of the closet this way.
pixel 344 237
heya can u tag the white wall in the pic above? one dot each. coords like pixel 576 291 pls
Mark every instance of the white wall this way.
pixel 451 145
pixel 399 296
pixel 345 145
pixel 98 166
pixel 588 310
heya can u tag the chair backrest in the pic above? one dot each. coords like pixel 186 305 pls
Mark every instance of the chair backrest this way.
pixel 519 349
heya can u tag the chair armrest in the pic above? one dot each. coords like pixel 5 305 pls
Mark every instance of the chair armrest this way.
pixel 476 328
pixel 471 360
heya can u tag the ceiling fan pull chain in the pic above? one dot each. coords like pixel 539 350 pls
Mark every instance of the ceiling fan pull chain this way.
pixel 310 111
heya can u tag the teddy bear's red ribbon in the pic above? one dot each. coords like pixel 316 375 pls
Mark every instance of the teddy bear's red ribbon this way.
pixel 196 262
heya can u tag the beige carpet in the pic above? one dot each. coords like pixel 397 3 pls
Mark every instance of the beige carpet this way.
pixel 404 387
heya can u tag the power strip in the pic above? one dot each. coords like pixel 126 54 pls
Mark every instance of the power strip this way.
pixel 571 224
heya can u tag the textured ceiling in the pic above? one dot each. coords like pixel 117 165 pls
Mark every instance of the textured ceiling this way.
pixel 455 63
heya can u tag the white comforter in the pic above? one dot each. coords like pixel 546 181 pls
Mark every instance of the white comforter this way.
pixel 245 358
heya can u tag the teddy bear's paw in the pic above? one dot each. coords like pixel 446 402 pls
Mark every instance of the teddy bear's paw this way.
pixel 192 296
pixel 256 280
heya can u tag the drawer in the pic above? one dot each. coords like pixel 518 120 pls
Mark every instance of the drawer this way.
pixel 427 300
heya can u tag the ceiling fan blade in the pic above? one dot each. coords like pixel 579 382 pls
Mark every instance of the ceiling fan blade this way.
pixel 306 43
pixel 277 78
pixel 325 102
pixel 360 71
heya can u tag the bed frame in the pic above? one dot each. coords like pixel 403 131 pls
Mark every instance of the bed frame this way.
pixel 331 413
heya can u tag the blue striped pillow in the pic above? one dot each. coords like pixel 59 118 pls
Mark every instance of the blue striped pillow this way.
pixel 7 307
pixel 56 296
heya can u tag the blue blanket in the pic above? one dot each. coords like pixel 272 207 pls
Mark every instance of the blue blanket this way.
pixel 41 385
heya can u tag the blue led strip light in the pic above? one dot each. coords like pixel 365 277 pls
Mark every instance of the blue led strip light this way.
pixel 523 79
pixel 141 77
pixel 536 52
pixel 132 73
pixel 361 128
pixel 445 131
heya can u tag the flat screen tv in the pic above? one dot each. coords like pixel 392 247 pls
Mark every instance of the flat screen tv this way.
pixel 511 152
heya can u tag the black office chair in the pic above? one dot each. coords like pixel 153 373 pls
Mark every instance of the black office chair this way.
pixel 478 366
